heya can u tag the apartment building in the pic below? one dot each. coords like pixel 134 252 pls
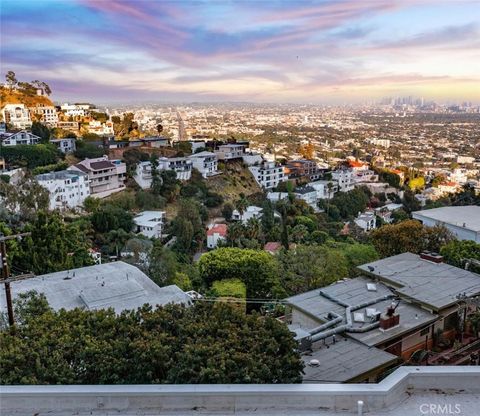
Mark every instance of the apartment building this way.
pixel 268 174
pixel 17 115
pixel 344 178
pixel 67 188
pixel 47 113
pixel 106 176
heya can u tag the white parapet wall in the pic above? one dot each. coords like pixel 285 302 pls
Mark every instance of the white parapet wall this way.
pixel 292 399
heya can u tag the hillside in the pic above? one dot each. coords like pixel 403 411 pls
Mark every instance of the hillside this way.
pixel 234 180
pixel 8 96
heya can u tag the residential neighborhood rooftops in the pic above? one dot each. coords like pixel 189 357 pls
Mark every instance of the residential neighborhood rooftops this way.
pixel 117 285
pixel 467 216
pixel 343 361
pixel 435 285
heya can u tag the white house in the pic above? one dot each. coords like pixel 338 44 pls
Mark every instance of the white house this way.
pixel 182 166
pixel 106 176
pixel 366 221
pixel 366 175
pixel 67 188
pixel 150 223
pixel 230 151
pixel 463 221
pixel 19 137
pixel 344 178
pixel 251 212
pixel 252 158
pixel 215 234
pixel 75 109
pixel 268 174
pixel 48 114
pixel 17 115
pixel 143 174
pixel 307 194
pixel 277 196
pixel 65 145
pixel 325 189
pixel 205 162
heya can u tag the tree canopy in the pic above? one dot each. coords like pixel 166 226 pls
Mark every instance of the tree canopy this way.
pixel 205 343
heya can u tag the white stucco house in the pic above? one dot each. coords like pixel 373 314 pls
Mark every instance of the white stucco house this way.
pixel 150 223
pixel 268 174
pixel 67 188
pixel 17 138
pixel 16 115
pixel 206 163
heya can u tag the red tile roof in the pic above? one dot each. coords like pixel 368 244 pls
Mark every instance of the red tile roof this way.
pixel 220 229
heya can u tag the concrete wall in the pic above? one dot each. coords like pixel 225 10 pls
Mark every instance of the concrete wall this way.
pixel 258 399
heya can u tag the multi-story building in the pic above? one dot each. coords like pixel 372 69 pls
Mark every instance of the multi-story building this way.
pixel 182 166
pixel 75 110
pixel 268 174
pixel 106 176
pixel 17 138
pixel 150 223
pixel 230 151
pixel 205 162
pixel 17 115
pixel 67 188
pixel 303 168
pixel 344 178
pixel 366 221
pixel 363 176
pixel 65 145
pixel 48 114
pixel 325 189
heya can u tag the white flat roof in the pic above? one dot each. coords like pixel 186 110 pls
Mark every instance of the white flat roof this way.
pixel 115 285
pixel 149 218
pixel 467 216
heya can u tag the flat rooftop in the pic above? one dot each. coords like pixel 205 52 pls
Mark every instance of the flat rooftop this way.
pixel 343 361
pixel 434 285
pixel 467 216
pixel 116 285
pixel 354 292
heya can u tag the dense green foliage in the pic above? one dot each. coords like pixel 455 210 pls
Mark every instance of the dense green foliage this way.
pixel 205 343
pixel 458 252
pixel 30 156
pixel 257 269
pixel 411 236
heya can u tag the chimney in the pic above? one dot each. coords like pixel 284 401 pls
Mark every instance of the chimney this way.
pixel 390 318
pixel 431 256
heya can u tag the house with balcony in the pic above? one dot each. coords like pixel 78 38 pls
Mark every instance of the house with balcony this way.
pixel 344 178
pixel 105 176
pixel 47 114
pixel 67 189
pixel 228 152
pixel 150 223
pixel 65 145
pixel 17 115
pixel 268 174
pixel 205 162
pixel 303 168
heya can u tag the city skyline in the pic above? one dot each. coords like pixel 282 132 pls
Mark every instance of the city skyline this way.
pixel 326 52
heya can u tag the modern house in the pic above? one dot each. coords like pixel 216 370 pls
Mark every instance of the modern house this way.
pixel 65 145
pixel 268 174
pixel 303 168
pixel 17 115
pixel 18 137
pixel 463 221
pixel 344 178
pixel 105 176
pixel 230 151
pixel 206 163
pixel 215 234
pixel 324 189
pixel 182 166
pixel 116 285
pixel 251 212
pixel 67 188
pixel 150 223
pixel 366 221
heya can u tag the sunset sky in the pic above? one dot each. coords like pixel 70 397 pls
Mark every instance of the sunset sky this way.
pixel 260 51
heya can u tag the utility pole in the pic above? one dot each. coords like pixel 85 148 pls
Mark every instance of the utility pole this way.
pixel 6 279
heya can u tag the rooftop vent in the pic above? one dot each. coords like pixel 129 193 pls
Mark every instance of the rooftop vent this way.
pixel 371 287
pixel 314 363
pixel 431 256
pixel 359 317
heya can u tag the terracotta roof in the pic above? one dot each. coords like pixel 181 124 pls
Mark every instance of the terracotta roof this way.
pixel 220 229
pixel 356 164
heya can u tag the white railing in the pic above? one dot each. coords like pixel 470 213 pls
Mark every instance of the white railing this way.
pixel 227 399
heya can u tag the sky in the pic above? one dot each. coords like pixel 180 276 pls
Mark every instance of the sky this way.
pixel 325 52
